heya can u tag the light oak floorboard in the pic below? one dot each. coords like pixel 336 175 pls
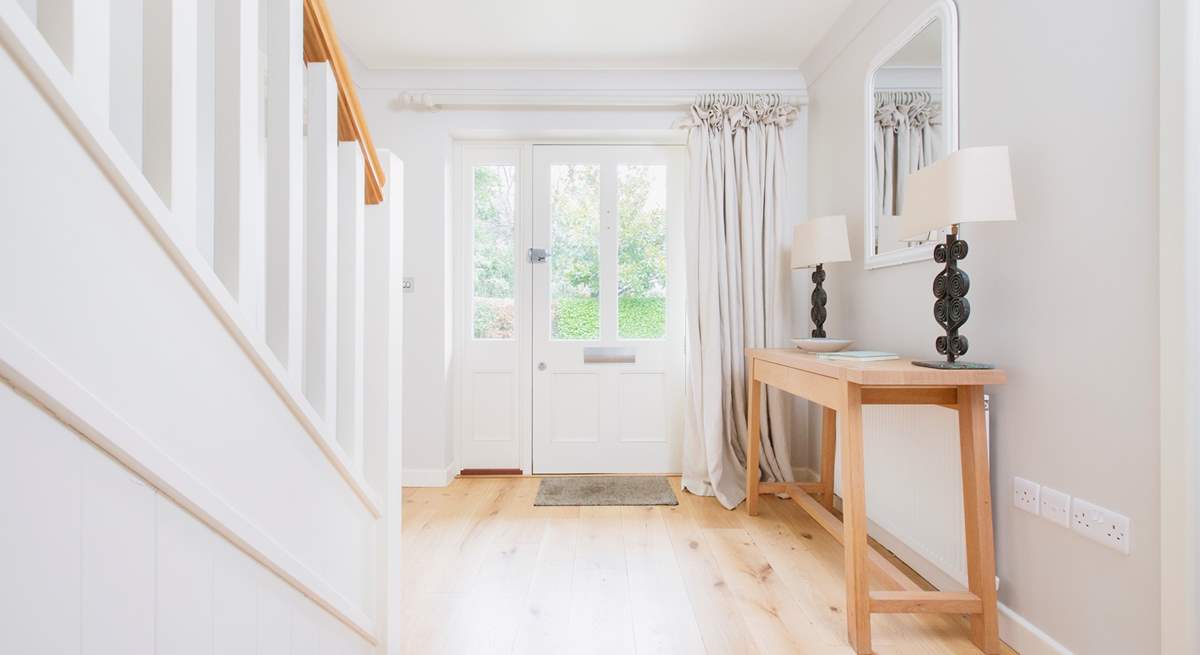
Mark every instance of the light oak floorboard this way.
pixel 486 572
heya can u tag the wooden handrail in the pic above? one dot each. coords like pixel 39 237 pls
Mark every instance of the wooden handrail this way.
pixel 321 45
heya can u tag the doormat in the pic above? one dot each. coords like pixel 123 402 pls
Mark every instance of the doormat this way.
pixel 593 490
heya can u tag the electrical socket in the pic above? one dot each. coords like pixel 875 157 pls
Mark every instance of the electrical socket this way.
pixel 1025 495
pixel 1100 525
pixel 1056 507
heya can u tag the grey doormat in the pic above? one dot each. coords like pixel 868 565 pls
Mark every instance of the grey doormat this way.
pixel 604 490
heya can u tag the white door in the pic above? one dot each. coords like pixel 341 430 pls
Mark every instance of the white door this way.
pixel 607 309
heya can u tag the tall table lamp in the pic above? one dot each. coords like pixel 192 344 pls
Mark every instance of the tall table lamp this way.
pixel 971 185
pixel 815 243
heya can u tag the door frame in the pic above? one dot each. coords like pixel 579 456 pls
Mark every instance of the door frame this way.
pixel 460 270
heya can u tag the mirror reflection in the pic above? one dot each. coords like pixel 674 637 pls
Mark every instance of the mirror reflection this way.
pixel 908 133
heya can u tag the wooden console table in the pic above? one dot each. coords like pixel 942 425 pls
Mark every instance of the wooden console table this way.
pixel 842 389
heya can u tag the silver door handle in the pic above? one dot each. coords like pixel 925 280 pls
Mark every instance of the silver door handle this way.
pixel 605 355
pixel 538 255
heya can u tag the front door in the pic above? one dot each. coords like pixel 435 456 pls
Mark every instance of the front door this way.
pixel 607 309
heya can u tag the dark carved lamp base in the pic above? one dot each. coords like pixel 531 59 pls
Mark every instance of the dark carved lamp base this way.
pixel 951 309
pixel 819 300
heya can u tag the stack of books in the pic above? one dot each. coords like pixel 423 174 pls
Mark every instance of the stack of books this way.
pixel 858 356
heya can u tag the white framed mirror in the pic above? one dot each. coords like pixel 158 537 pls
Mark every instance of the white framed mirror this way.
pixel 911 121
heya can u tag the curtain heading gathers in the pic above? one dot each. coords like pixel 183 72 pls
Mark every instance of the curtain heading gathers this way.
pixel 740 110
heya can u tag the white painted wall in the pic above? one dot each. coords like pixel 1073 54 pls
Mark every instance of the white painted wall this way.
pixel 1065 298
pixel 424 139
pixel 96 295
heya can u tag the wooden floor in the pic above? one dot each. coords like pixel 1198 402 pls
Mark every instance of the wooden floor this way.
pixel 487 572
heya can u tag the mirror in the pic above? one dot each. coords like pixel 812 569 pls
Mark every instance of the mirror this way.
pixel 911 122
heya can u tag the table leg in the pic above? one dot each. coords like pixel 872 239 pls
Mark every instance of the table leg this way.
pixel 977 506
pixel 753 437
pixel 854 516
pixel 828 455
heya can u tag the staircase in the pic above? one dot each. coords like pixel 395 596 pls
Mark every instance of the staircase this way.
pixel 200 334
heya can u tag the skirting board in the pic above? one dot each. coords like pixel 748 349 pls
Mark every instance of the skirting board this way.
pixel 1025 637
pixel 1015 630
pixel 428 477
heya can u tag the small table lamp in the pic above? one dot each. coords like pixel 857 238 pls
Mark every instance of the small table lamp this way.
pixel 971 185
pixel 815 243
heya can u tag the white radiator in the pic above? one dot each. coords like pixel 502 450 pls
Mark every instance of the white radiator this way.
pixel 914 487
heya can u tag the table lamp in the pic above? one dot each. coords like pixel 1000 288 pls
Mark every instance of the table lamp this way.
pixel 818 242
pixel 971 185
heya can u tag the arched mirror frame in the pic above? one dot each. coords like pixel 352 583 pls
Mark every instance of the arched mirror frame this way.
pixel 946 12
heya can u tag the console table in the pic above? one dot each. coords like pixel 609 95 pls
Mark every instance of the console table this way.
pixel 842 388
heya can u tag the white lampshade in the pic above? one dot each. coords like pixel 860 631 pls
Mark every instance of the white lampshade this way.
pixel 971 185
pixel 820 241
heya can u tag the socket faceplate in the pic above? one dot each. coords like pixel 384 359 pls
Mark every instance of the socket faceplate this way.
pixel 1100 525
pixel 1026 495
pixel 1056 507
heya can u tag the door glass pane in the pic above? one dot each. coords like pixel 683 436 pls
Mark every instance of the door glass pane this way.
pixel 494 205
pixel 642 253
pixel 575 251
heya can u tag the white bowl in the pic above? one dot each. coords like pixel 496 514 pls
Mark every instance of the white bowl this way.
pixel 822 345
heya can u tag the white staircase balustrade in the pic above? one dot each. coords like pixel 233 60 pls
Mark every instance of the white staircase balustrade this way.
pixel 351 206
pixel 320 242
pixel 239 225
pixel 285 182
pixel 169 128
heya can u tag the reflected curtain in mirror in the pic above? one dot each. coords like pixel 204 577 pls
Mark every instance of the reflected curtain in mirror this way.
pixel 907 139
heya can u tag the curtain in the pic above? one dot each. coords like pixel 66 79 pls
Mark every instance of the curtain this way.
pixel 736 285
pixel 907 139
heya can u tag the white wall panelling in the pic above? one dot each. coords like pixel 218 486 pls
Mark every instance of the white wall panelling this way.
pixel 101 562
pixel 29 371
pixel 40 608
pixel 118 558
pixel 184 554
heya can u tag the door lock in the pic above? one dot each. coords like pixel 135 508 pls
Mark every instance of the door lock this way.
pixel 541 366
pixel 538 255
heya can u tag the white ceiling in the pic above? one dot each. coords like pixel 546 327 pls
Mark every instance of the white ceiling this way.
pixel 549 34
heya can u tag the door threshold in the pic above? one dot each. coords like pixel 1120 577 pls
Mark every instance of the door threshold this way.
pixel 467 473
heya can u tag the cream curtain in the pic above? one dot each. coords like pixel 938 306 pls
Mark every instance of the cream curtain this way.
pixel 736 286
pixel 907 139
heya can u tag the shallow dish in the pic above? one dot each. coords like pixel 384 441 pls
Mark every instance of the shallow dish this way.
pixel 822 345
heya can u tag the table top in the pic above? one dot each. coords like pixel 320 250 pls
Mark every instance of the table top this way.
pixel 895 372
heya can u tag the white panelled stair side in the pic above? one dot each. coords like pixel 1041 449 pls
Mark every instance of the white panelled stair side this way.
pixel 200 375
